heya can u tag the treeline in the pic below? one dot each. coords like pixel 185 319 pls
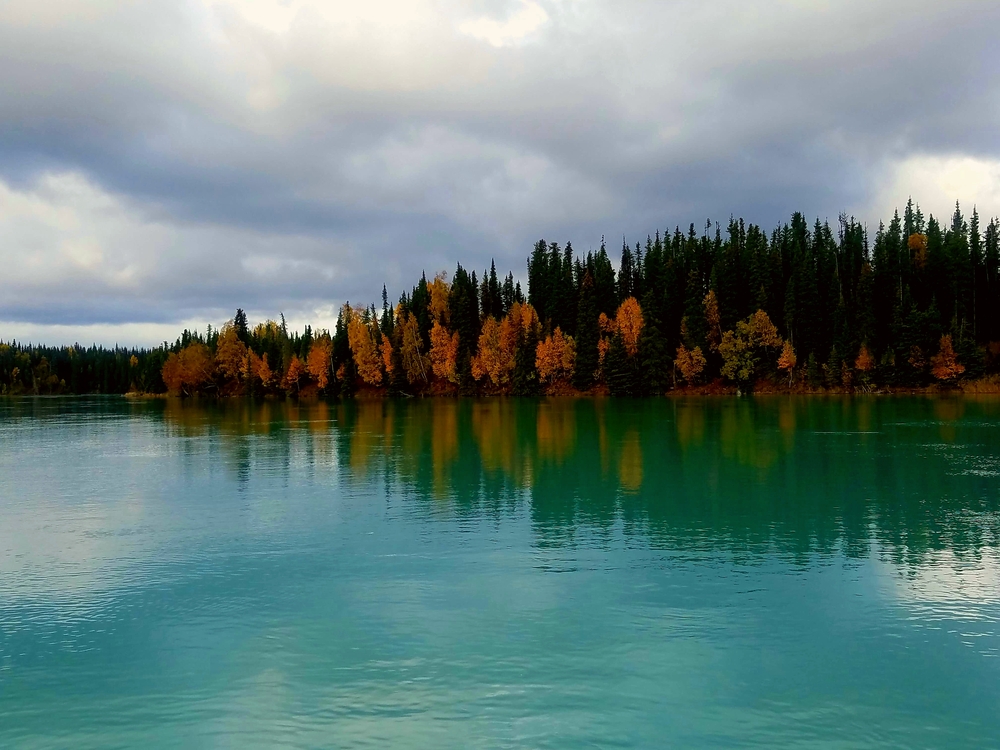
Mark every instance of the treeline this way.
pixel 47 370
pixel 802 308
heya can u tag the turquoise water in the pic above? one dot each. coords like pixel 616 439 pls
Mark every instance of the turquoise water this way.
pixel 500 574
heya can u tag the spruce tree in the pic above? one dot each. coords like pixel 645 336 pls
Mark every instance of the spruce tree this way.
pixel 240 324
pixel 605 291
pixel 626 273
pixel 654 358
pixel 616 368
pixel 525 379
pixel 587 335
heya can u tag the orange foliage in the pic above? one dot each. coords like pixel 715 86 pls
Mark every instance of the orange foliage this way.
pixel 762 331
pixel 188 370
pixel 917 244
pixel 296 371
pixel 440 289
pixel 555 356
pixel 444 352
pixel 787 360
pixel 944 364
pixel 387 355
pixel 628 322
pixel 690 363
pixel 603 344
pixel 361 338
pixel 257 367
pixel 525 316
pixel 319 361
pixel 865 362
pixel 230 353
pixel 605 324
pixel 172 373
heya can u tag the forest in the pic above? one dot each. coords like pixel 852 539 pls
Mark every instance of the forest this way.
pixel 721 310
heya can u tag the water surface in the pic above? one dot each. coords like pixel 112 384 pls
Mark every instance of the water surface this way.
pixel 513 574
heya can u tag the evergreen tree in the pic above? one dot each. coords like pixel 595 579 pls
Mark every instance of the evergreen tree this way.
pixel 587 335
pixel 605 288
pixel 526 381
pixel 507 294
pixel 618 368
pixel 626 273
pixel 240 324
pixel 654 357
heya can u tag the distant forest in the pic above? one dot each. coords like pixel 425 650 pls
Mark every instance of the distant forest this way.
pixel 803 309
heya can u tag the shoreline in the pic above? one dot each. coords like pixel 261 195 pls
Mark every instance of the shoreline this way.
pixel 715 390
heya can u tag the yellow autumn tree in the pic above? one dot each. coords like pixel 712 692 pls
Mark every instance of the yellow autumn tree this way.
pixel 387 352
pixel 440 291
pixel 525 318
pixel 555 356
pixel 511 328
pixel 713 319
pixel 188 370
pixel 444 352
pixel 742 350
pixel 416 364
pixel 230 353
pixel 917 244
pixel 171 374
pixel 320 361
pixel 257 368
pixel 944 364
pixel 495 354
pixel 361 339
pixel 628 323
pixel 691 363
pixel 788 360
pixel 864 362
pixel 295 374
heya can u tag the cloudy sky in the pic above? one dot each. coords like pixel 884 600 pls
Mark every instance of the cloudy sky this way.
pixel 162 163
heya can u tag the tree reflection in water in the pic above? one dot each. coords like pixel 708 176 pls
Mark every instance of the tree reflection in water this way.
pixel 795 475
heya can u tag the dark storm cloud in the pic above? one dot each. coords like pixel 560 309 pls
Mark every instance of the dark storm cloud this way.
pixel 167 162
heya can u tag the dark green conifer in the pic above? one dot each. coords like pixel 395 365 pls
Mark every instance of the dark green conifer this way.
pixel 587 335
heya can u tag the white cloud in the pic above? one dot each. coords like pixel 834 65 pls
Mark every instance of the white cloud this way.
pixel 64 229
pixel 936 182
pixel 528 19
pixel 167 161
pixel 67 244
pixel 107 334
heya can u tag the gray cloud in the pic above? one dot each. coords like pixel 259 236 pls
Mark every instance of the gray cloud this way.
pixel 167 162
